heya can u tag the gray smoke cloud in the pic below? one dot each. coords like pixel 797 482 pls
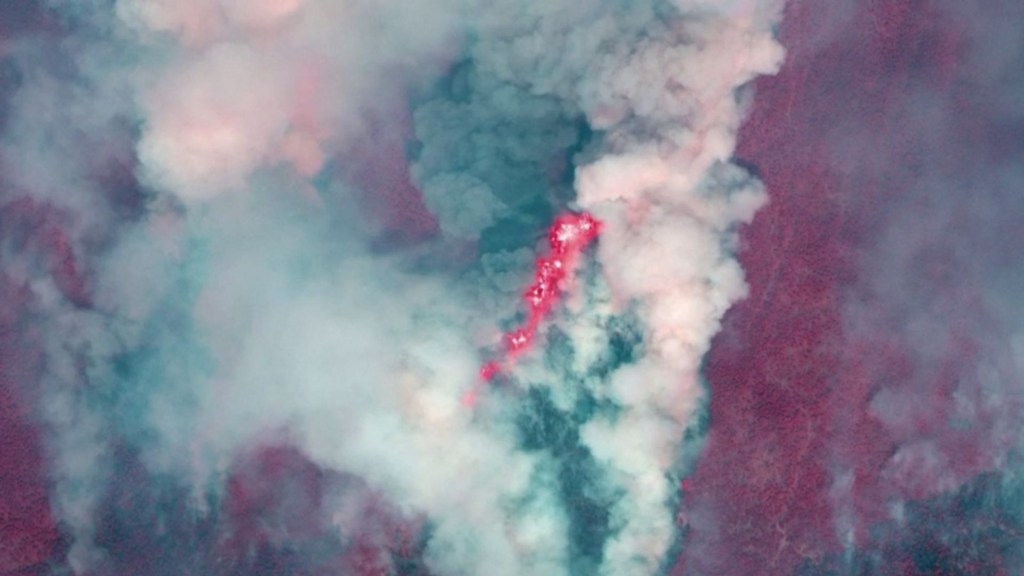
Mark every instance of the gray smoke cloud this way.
pixel 238 298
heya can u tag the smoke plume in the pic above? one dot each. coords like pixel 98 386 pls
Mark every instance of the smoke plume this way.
pixel 219 284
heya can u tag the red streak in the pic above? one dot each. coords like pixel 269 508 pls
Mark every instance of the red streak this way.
pixel 568 236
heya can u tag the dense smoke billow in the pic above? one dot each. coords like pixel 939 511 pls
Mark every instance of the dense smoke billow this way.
pixel 307 223
pixel 511 288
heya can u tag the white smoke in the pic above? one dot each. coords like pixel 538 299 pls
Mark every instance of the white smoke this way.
pixel 294 327
pixel 250 85
pixel 667 101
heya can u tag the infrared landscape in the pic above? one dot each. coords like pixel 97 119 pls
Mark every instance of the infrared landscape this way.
pixel 467 287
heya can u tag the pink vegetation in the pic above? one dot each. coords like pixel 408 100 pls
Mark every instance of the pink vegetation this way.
pixel 277 498
pixel 28 532
pixel 388 198
pixel 798 453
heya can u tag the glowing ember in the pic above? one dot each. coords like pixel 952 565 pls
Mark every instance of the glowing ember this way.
pixel 489 370
pixel 568 236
